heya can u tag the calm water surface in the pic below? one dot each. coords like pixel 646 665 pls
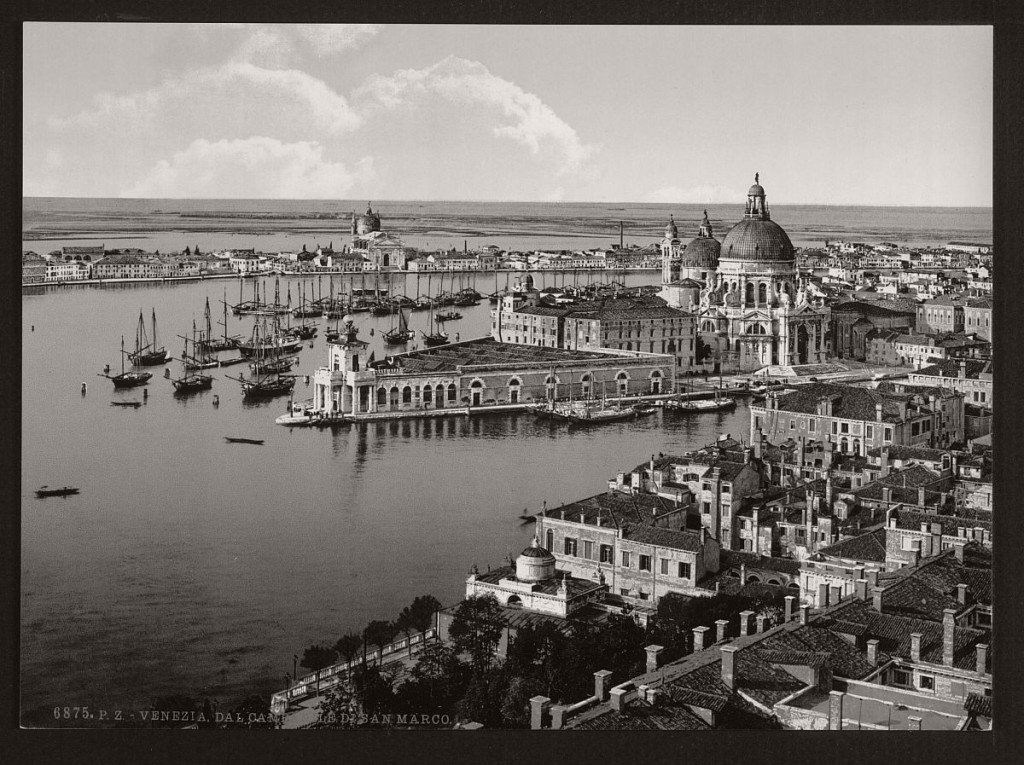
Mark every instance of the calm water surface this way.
pixel 190 565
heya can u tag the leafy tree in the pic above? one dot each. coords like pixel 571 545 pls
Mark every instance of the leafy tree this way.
pixel 254 712
pixel 420 613
pixel 482 700
pixel 476 630
pixel 515 706
pixel 348 646
pixel 436 681
pixel 378 633
pixel 374 690
pixel 317 657
pixel 339 707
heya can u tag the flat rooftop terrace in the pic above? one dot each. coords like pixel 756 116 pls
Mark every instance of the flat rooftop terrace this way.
pixel 487 351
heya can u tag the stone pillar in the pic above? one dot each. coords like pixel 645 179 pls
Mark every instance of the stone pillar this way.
pixel 835 710
pixel 538 706
pixel 873 652
pixel 915 646
pixel 790 601
pixel 618 696
pixel 805 614
pixel 761 619
pixel 835 594
pixel 982 658
pixel 602 678
pixel 698 638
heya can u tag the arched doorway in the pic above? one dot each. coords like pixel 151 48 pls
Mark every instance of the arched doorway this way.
pixel 382 397
pixel 514 601
pixel 622 383
pixel 585 383
pixel 394 397
pixel 749 299
pixel 802 344
pixel 439 397
pixel 655 382
pixel 476 392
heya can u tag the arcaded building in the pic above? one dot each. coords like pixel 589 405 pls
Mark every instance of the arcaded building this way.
pixel 752 311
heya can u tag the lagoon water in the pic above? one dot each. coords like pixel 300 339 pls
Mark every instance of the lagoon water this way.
pixel 190 565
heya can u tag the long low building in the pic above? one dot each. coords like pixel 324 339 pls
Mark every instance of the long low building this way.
pixel 477 373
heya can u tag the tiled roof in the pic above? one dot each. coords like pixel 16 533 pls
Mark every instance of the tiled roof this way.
pixel 849 402
pixel 897 494
pixel 485 350
pixel 866 547
pixel 897 452
pixel 792 657
pixel 976 704
pixel 951 368
pixel 614 508
pixel 640 716
pixel 540 310
pixel 908 519
pixel 910 477
pixel 688 541
pixel 733 559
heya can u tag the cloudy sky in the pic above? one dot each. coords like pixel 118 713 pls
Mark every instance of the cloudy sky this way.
pixel 826 115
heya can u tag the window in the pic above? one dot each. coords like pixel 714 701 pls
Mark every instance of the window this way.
pixel 927 683
pixel 550 539
pixel 810 425
pixel 606 553
pixel 684 570
pixel 625 559
pixel 869 431
pixel 706 487
pixel 664 566
pixel 624 591
pixel 643 595
pixel 645 562
pixel 844 427
pixel 888 434
pixel 900 677
pixel 588 550
pixel 792 424
pixel 570 546
pixel 705 507
pixel 726 488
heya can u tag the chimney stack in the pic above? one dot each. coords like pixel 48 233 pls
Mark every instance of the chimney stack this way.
pixel 789 606
pixel 873 652
pixel 835 710
pixel 721 625
pixel 948 630
pixel 822 595
pixel 602 678
pixel 538 706
pixel 876 599
pixel 557 716
pixel 982 658
pixel 835 594
pixel 805 614
pixel 698 638
pixel 619 698
pixel 961 594
pixel 959 552
pixel 761 619
pixel 653 657
pixel 745 618
pixel 729 666
pixel 861 586
pixel 915 646
pixel 872 579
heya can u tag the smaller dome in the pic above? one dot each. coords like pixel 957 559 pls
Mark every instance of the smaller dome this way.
pixel 671 232
pixel 701 252
pixel 535 552
pixel 757 190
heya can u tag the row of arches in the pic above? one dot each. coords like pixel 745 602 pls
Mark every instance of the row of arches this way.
pixel 757 293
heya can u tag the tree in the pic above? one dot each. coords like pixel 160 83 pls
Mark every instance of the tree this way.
pixel 348 646
pixel 317 657
pixel 339 707
pixel 254 712
pixel 482 700
pixel 378 633
pixel 515 707
pixel 436 680
pixel 476 630
pixel 404 625
pixel 420 612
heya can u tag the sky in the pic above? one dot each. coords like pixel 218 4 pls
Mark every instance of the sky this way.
pixel 882 115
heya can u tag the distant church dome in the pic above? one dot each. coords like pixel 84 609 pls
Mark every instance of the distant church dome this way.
pixel 671 232
pixel 535 564
pixel 703 250
pixel 367 223
pixel 757 237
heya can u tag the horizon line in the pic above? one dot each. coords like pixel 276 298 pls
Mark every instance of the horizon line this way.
pixel 503 201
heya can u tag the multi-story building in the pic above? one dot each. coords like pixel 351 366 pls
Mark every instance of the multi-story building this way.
pixel 67 271
pixel 943 314
pixel 856 419
pixel 33 268
pixel 978 317
pixel 970 377
pixel 851 323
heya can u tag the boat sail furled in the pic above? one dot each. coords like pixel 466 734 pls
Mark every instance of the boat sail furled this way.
pixel 402 334
pixel 190 382
pixel 147 354
pixel 131 378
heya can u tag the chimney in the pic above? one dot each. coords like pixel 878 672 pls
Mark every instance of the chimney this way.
pixel 835 594
pixel 876 599
pixel 822 595
pixel 948 629
pixel 861 589
pixel 748 453
pixel 745 618
pixel 873 652
pixel 619 698
pixel 729 666
pixel 835 710
pixel 805 614
pixel 601 680
pixel 872 579
pixel 761 619
pixel 757 442
pixel 961 594
pixel 959 551
pixel 743 574
pixel 963 370
pixel 654 656
pixel 878 412
pixel 913 722
pixel 828 495
pixel 886 495
pixel 557 716
pixel 915 646
pixel 538 706
pixel 920 496
pixel 721 626
pixel 698 638
pixel 789 606
pixel 982 654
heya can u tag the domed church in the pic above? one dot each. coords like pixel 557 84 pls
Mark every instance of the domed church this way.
pixel 752 311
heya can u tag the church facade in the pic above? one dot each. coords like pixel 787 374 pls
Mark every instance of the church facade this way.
pixel 752 310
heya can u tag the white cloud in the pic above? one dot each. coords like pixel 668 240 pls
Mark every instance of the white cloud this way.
pixel 530 121
pixel 255 168
pixel 696 195
pixel 326 39
pixel 228 98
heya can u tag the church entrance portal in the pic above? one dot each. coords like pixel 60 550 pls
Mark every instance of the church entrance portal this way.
pixel 802 343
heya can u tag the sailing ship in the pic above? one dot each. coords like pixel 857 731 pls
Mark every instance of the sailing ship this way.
pixel 265 384
pixel 436 337
pixel 401 334
pixel 449 316
pixel 200 358
pixel 207 343
pixel 190 382
pixel 131 378
pixel 147 354
pixel 719 403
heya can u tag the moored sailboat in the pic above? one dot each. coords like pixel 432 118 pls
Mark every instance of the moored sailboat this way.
pixel 130 379
pixel 147 354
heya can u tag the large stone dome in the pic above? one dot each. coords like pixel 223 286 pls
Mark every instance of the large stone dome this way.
pixel 701 252
pixel 535 564
pixel 757 240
